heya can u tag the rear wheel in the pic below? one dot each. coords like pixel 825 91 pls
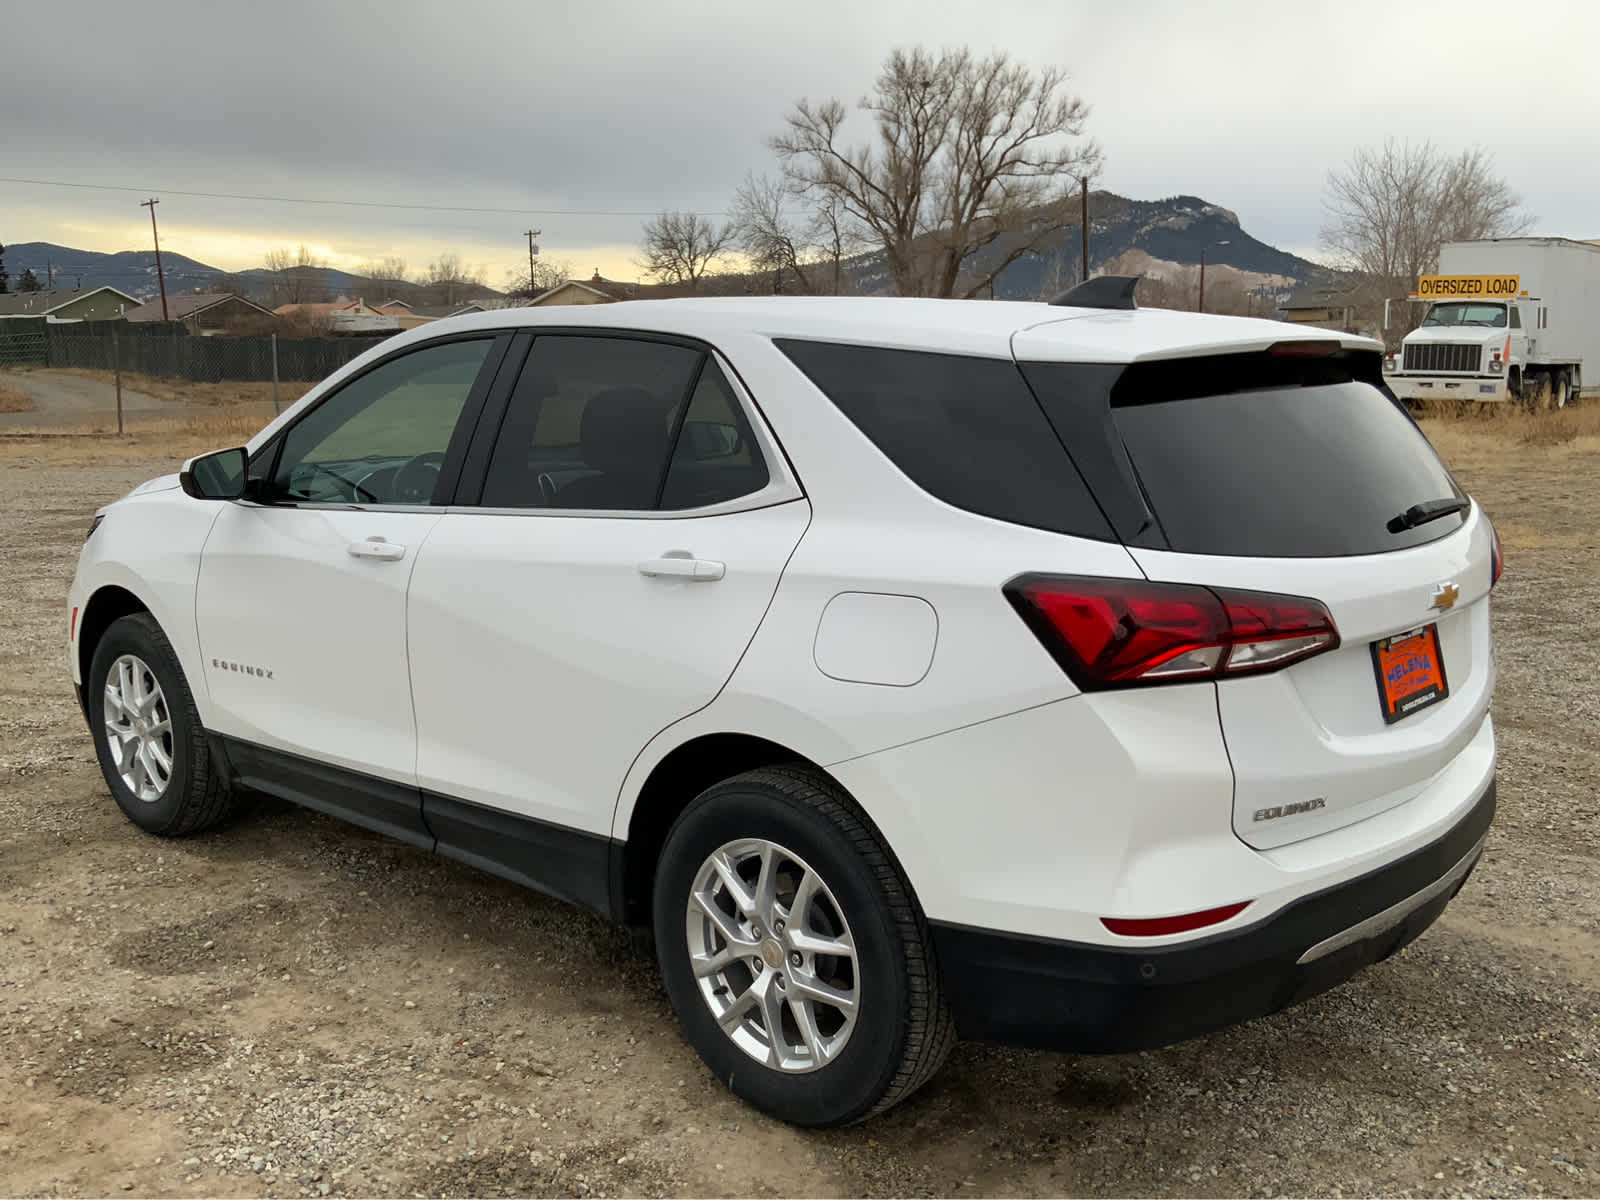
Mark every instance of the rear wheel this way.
pixel 147 733
pixel 1558 389
pixel 794 953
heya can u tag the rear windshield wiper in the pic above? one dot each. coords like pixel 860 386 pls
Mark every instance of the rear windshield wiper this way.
pixel 1428 510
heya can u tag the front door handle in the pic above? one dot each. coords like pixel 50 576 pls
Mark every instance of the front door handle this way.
pixel 377 547
pixel 680 564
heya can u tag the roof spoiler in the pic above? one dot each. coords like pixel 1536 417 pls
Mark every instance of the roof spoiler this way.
pixel 1103 291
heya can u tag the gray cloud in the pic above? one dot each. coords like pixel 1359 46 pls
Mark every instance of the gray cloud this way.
pixel 645 106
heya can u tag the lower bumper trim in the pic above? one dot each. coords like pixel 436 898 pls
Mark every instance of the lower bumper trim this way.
pixel 1042 993
pixel 1396 914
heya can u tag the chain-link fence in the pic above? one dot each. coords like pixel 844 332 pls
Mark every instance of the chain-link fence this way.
pixel 93 376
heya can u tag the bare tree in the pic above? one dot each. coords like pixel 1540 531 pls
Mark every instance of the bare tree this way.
pixel 770 233
pixel 809 247
pixel 969 154
pixel 547 273
pixel 1390 210
pixel 297 276
pixel 679 247
pixel 375 278
pixel 448 280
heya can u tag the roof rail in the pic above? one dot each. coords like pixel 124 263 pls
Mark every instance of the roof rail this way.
pixel 1103 291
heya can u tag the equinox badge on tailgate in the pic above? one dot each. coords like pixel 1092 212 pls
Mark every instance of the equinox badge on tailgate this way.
pixel 1289 810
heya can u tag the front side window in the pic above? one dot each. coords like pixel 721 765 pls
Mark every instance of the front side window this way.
pixel 614 423
pixel 382 438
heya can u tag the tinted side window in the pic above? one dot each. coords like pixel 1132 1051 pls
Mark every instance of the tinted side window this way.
pixel 1516 317
pixel 715 458
pixel 590 424
pixel 966 430
pixel 382 438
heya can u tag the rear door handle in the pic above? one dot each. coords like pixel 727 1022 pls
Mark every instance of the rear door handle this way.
pixel 377 547
pixel 680 564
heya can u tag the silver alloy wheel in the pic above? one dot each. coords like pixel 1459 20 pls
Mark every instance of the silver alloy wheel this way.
pixel 138 728
pixel 773 956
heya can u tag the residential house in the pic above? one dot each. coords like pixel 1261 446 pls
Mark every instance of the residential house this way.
pixel 68 304
pixel 599 290
pixel 343 316
pixel 199 311
pixel 409 316
pixel 1326 305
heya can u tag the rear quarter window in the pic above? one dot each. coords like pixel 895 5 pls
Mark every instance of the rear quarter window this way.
pixel 965 430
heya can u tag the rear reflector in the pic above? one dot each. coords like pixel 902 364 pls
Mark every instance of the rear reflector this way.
pixel 1157 926
pixel 72 625
pixel 1109 633
pixel 1497 556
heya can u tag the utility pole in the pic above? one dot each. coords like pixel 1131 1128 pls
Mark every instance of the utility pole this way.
pixel 161 279
pixel 1200 304
pixel 1085 183
pixel 533 248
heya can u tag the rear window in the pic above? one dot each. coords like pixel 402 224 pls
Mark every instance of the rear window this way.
pixel 966 430
pixel 1260 457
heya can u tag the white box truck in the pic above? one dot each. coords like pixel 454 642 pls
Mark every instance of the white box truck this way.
pixel 1507 319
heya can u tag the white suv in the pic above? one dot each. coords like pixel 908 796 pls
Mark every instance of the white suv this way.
pixel 1064 676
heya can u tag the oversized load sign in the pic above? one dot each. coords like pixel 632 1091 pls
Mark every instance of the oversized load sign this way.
pixel 1468 287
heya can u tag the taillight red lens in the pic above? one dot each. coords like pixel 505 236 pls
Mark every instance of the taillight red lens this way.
pixel 1110 633
pixel 1497 556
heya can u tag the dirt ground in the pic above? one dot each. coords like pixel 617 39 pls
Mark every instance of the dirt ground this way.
pixel 292 1006
pixel 55 400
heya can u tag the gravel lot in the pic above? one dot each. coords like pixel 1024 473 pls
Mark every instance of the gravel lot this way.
pixel 294 1007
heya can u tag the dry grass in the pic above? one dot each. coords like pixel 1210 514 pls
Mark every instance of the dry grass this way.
pixel 13 401
pixel 1480 437
pixel 98 443
pixel 188 391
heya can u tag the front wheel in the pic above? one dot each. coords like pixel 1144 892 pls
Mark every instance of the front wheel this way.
pixel 147 733
pixel 794 953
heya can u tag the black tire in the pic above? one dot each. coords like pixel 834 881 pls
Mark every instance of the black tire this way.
pixel 196 797
pixel 903 1029
pixel 1558 390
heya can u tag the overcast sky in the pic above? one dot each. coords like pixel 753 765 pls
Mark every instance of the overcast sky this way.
pixel 598 107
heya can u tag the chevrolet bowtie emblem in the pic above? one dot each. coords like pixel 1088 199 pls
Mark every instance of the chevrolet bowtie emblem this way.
pixel 1445 596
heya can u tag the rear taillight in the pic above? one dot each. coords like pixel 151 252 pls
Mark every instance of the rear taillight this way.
pixel 1497 556
pixel 1110 633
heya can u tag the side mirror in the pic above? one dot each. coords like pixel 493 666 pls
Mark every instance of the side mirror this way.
pixel 216 476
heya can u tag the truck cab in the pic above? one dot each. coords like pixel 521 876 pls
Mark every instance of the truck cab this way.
pixel 1465 350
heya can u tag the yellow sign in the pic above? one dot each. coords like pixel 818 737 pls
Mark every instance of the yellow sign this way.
pixel 1468 287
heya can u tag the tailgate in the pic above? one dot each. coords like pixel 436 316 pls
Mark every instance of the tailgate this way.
pixel 1291 471
pixel 1310 746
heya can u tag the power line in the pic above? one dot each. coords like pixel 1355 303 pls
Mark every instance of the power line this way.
pixel 537 212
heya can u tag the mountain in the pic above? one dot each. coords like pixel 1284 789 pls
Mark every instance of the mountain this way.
pixel 1151 236
pixel 134 272
pixel 130 271
pixel 1159 233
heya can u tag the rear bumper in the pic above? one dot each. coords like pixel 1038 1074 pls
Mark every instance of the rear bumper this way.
pixel 1054 995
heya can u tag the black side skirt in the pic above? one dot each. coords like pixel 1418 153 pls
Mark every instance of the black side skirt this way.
pixel 568 864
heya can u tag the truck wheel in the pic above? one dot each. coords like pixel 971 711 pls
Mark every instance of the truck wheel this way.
pixel 1558 389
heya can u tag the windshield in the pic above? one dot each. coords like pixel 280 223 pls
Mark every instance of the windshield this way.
pixel 1487 315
